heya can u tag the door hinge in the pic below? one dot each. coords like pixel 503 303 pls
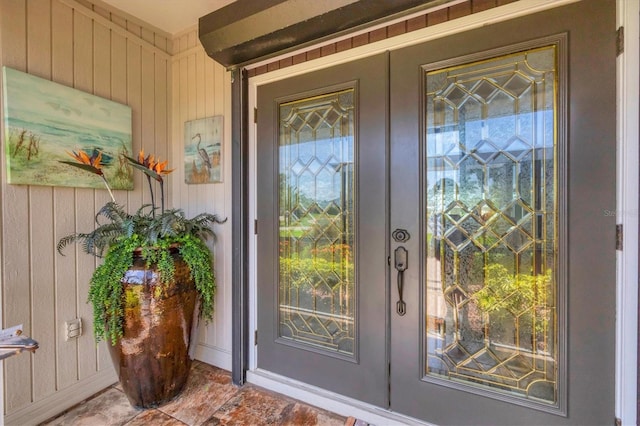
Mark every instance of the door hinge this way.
pixel 255 226
pixel 619 236
pixel 617 422
pixel 620 41
pixel 255 115
pixel 255 338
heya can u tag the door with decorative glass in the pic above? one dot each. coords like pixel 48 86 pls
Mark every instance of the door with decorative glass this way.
pixel 460 270
pixel 322 242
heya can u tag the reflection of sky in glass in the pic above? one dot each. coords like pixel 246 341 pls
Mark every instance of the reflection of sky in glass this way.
pixel 315 168
pixel 511 134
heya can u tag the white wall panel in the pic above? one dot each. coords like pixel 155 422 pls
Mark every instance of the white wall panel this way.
pixel 202 88
pixel 16 278
pixel 41 220
pixel 85 365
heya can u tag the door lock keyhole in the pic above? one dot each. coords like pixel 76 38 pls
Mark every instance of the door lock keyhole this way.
pixel 400 235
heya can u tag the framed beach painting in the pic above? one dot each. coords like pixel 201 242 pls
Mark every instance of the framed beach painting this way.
pixel 44 121
pixel 203 150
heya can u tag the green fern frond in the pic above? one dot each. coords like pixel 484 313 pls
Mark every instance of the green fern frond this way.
pixel 65 241
pixel 113 212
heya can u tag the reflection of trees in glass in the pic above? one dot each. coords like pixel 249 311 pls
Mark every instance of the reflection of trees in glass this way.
pixel 331 264
pixel 315 259
pixel 323 276
pixel 519 299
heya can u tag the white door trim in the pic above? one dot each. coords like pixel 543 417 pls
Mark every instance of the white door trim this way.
pixel 627 179
pixel 628 94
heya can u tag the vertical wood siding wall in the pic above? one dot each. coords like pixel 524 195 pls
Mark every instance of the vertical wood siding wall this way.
pixel 202 88
pixel 80 45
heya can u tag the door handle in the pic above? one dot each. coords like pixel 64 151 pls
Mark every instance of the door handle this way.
pixel 401 258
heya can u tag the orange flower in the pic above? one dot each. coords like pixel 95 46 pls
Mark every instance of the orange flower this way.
pixel 149 162
pixel 94 162
pixel 146 162
pixel 152 168
pixel 91 164
pixel 160 168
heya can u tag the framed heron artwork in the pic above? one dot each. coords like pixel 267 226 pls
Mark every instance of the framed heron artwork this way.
pixel 203 150
pixel 45 123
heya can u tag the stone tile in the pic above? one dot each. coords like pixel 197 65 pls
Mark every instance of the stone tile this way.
pixel 155 418
pixel 251 406
pixel 207 389
pixel 110 408
pixel 301 414
pixel 256 406
pixel 209 398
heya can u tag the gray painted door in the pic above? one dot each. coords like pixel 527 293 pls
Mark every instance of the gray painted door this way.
pixel 494 151
pixel 502 165
pixel 322 243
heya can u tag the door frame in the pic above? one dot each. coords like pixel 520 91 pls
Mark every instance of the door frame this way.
pixel 626 210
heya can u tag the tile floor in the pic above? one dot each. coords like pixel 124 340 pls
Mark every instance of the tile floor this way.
pixel 209 398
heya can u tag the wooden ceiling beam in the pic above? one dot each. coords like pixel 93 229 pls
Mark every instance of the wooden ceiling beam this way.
pixel 247 31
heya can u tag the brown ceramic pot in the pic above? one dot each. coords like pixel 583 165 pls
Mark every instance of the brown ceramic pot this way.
pixel 153 357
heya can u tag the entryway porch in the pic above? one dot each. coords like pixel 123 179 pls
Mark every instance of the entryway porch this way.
pixel 210 398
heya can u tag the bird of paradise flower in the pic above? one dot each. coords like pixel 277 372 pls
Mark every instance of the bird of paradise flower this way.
pixel 149 165
pixel 152 168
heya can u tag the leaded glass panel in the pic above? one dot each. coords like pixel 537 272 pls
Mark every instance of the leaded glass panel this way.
pixel 316 225
pixel 492 224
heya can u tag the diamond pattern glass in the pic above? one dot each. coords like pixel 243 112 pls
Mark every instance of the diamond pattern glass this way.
pixel 491 211
pixel 316 226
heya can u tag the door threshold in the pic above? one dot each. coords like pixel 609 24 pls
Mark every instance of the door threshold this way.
pixel 330 401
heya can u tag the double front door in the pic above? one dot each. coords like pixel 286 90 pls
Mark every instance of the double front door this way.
pixel 432 238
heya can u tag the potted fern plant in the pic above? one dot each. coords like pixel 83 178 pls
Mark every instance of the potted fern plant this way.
pixel 155 279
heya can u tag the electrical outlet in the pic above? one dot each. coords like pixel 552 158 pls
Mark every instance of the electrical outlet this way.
pixel 73 328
